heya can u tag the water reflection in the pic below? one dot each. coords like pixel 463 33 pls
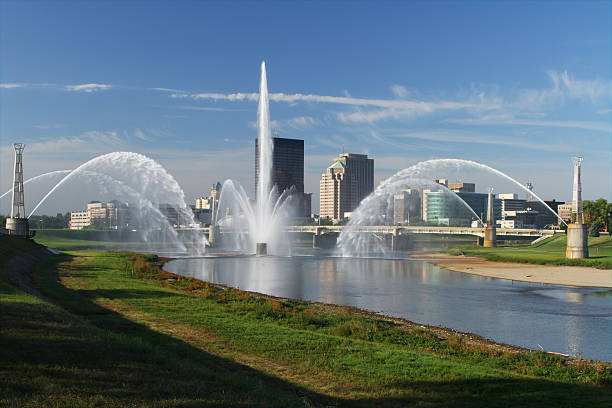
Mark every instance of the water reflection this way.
pixel 576 321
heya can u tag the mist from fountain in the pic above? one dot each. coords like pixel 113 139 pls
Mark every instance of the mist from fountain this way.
pixel 378 209
pixel 146 184
pixel 422 167
pixel 39 177
pixel 242 223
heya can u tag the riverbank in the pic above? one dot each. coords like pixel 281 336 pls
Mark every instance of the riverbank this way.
pixel 547 274
pixel 124 332
pixel 550 251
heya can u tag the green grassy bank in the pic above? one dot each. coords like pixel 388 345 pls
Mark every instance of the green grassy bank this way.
pixel 125 333
pixel 549 251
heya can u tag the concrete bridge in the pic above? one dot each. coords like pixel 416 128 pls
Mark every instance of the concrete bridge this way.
pixel 325 235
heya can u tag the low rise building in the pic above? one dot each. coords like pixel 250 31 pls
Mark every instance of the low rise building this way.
pixel 462 187
pixel 79 220
pixel 442 207
pixel 565 211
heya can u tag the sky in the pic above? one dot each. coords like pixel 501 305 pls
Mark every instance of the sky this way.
pixel 519 86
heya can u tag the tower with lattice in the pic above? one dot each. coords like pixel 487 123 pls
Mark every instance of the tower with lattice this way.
pixel 18 224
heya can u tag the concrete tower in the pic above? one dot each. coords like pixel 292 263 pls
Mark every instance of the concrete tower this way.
pixel 490 232
pixel 17 224
pixel 577 215
pixel 577 245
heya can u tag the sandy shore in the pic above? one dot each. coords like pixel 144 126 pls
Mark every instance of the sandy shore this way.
pixel 551 274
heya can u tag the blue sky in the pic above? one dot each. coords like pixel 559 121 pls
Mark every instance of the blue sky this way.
pixel 521 87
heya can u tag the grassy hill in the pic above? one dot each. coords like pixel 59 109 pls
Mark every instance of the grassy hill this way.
pixel 549 251
pixel 122 332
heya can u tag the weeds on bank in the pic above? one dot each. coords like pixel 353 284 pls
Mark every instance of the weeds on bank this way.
pixel 346 323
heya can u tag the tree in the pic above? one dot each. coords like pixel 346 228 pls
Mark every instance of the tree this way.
pixel 598 212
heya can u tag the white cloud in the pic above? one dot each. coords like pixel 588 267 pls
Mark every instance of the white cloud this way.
pixel 92 141
pixel 451 136
pixel 595 126
pixel 583 88
pixel 341 100
pixel 302 122
pixel 141 135
pixel 10 86
pixel 170 90
pixel 564 87
pixel 88 87
pixel 52 126
pixel 203 108
pixel 399 91
pixel 604 111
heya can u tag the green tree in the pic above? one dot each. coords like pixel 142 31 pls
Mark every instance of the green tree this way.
pixel 598 212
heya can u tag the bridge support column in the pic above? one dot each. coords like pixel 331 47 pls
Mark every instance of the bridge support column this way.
pixel 399 242
pixel 490 237
pixel 324 240
pixel 577 247
pixel 213 233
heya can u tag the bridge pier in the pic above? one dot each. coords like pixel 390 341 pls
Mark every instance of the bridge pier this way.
pixel 324 240
pixel 577 244
pixel 399 242
pixel 213 234
pixel 490 237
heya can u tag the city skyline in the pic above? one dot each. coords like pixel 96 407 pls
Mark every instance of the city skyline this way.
pixel 90 80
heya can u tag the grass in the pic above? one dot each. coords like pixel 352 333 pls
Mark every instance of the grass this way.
pixel 549 251
pixel 125 333
pixel 82 240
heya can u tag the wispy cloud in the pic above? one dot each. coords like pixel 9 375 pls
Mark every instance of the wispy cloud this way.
pixel 92 141
pixel 302 122
pixel 596 126
pixel 399 91
pixel 604 111
pixel 205 108
pixel 591 89
pixel 451 136
pixel 51 126
pixel 341 100
pixel 88 87
pixel 170 90
pixel 10 86
pixel 138 133
pixel 564 87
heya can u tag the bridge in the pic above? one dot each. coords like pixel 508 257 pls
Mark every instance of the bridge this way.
pixel 325 235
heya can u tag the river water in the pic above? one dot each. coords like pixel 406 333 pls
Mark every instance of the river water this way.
pixel 569 320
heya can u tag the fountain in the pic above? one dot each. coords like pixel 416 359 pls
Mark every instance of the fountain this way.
pixel 39 177
pixel 256 228
pixel 376 208
pixel 421 167
pixel 145 184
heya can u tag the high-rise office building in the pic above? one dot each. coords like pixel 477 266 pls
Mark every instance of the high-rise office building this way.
pixel 335 192
pixel 406 204
pixel 287 164
pixel 361 171
pixel 287 171
pixel 344 184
